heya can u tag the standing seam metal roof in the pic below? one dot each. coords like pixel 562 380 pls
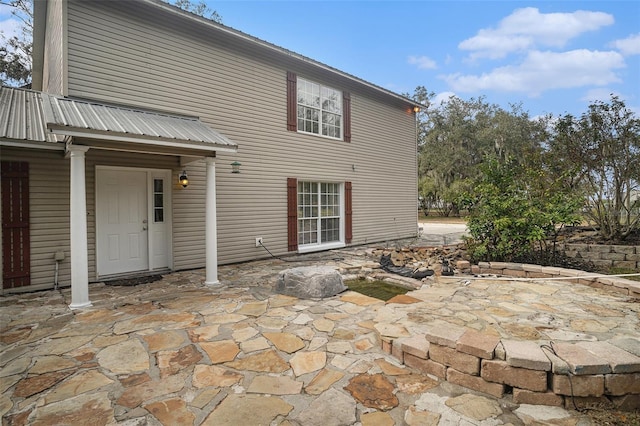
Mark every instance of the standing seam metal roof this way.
pixel 36 116
pixel 22 116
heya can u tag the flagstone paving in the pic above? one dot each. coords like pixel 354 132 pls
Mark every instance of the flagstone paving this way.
pixel 176 352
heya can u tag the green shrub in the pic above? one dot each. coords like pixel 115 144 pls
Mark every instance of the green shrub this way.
pixel 514 210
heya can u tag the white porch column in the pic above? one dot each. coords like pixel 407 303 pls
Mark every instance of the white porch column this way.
pixel 211 226
pixel 79 254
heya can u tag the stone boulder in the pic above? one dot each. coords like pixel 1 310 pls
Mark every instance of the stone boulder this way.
pixel 309 282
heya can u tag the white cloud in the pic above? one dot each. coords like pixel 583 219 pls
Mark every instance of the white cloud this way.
pixel 527 28
pixel 423 62
pixel 628 46
pixel 441 98
pixel 541 71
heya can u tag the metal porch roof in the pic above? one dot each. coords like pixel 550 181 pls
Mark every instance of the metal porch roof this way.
pixel 36 116
pixel 22 116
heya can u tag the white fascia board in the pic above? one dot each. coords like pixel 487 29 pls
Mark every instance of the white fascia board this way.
pixel 52 146
pixel 202 146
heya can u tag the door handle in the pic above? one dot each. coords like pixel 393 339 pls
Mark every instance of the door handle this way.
pixel 144 228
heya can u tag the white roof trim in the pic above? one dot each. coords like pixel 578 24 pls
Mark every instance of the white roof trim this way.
pixel 148 141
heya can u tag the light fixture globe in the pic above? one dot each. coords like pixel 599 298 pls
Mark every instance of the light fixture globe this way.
pixel 183 179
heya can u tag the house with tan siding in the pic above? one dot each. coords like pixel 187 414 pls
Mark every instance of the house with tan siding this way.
pixel 131 96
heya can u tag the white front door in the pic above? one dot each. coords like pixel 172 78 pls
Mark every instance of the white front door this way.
pixel 133 220
pixel 121 221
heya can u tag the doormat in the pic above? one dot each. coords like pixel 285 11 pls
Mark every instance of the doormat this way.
pixel 129 282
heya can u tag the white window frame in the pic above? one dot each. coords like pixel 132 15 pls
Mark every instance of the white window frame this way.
pixel 321 90
pixel 320 245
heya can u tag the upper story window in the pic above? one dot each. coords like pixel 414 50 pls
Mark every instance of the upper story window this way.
pixel 319 109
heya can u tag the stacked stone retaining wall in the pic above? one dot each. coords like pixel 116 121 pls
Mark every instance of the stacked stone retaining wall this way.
pixel 555 374
pixel 559 374
pixel 604 256
pixel 618 284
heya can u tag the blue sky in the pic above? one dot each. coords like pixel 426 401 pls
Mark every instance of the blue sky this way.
pixel 553 57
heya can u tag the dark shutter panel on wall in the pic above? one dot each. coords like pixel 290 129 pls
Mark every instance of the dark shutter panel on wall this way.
pixel 346 111
pixel 348 213
pixel 292 102
pixel 292 214
pixel 16 249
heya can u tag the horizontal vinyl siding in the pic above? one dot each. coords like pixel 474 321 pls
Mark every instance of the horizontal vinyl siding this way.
pixel 188 219
pixel 49 213
pixel 116 56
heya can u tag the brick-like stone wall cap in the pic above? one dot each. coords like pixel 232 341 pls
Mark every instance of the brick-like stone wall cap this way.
pixel 525 354
pixel 619 360
pixel 478 344
pixel 629 344
pixel 625 283
pixel 558 366
pixel 531 268
pixel 572 272
pixel 606 280
pixel 416 345
pixel 580 360
pixel 505 265
pixel 444 333
pixel 552 270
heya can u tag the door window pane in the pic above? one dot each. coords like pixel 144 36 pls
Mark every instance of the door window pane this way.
pixel 158 200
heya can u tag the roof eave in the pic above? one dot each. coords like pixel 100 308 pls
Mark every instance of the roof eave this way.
pixel 142 139
pixel 15 143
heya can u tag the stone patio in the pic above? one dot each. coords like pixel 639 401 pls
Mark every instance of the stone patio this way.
pixel 177 352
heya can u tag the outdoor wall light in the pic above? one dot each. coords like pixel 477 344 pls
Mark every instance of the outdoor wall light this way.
pixel 416 109
pixel 235 167
pixel 183 179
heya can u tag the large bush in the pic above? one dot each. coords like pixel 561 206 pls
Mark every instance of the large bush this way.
pixel 516 210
